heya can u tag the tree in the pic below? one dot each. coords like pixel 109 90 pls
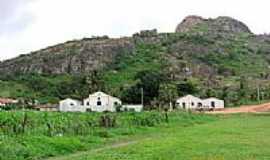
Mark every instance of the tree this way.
pixel 210 92
pixel 186 87
pixel 150 82
pixel 167 94
pixel 94 81
pixel 80 86
pixel 243 89
pixel 132 95
pixel 230 96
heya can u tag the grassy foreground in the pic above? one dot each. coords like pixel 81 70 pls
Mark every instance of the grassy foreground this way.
pixel 39 135
pixel 233 137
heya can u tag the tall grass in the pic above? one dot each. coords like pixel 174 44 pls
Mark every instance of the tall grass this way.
pixel 33 135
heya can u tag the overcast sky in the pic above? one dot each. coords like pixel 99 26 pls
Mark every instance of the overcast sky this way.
pixel 29 25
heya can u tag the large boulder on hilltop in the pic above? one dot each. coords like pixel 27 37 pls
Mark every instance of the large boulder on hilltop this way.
pixel 188 23
pixel 217 25
pixel 231 25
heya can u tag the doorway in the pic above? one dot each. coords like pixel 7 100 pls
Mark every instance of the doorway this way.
pixel 213 105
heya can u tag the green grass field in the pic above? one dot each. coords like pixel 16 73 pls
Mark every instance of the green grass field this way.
pixel 231 137
pixel 133 136
pixel 39 135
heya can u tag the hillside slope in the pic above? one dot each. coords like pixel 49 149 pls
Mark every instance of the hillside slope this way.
pixel 205 57
pixel 72 57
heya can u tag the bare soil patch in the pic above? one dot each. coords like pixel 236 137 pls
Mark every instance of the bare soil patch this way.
pixel 245 109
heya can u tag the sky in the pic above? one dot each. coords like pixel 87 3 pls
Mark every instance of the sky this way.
pixel 30 25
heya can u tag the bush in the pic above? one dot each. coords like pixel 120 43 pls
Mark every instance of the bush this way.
pixel 107 121
pixel 150 119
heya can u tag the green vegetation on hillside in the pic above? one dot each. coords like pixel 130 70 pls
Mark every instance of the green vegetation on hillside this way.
pixel 201 63
pixel 146 57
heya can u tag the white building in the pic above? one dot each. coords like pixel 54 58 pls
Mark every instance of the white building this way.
pixel 100 102
pixel 192 102
pixel 97 102
pixel 7 101
pixel 71 105
pixel 136 108
pixel 213 103
pixel 189 102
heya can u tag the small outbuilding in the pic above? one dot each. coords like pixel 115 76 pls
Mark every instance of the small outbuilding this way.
pixel 47 108
pixel 71 105
pixel 213 103
pixel 7 101
pixel 135 108
pixel 189 102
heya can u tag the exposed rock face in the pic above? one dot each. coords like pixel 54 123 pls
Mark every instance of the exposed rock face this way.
pixel 230 25
pixel 83 56
pixel 220 24
pixel 188 23
pixel 71 57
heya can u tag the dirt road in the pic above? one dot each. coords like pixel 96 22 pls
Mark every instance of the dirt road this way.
pixel 86 153
pixel 246 109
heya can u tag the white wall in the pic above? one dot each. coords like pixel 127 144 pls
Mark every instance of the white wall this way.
pixel 136 108
pixel 206 103
pixel 70 105
pixel 218 104
pixel 107 102
pixel 189 102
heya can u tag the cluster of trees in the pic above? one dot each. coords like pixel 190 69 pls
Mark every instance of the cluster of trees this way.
pixel 51 88
pixel 159 90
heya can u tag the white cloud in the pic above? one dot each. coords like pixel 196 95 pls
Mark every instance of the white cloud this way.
pixel 53 21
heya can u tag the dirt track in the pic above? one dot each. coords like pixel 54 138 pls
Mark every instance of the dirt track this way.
pixel 85 153
pixel 246 109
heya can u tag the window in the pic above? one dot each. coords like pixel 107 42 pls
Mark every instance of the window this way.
pixel 99 103
pixel 88 104
pixel 199 104
pixel 115 103
pixel 213 104
pixel 71 104
pixel 192 103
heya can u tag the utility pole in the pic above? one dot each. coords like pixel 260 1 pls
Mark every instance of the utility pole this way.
pixel 258 93
pixel 142 96
pixel 170 99
pixel 170 105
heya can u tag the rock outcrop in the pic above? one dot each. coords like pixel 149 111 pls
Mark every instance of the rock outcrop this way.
pixel 188 23
pixel 97 53
pixel 217 25
pixel 80 56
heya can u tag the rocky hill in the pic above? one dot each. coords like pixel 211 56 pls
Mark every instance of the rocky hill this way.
pixel 73 57
pixel 215 56
pixel 86 55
